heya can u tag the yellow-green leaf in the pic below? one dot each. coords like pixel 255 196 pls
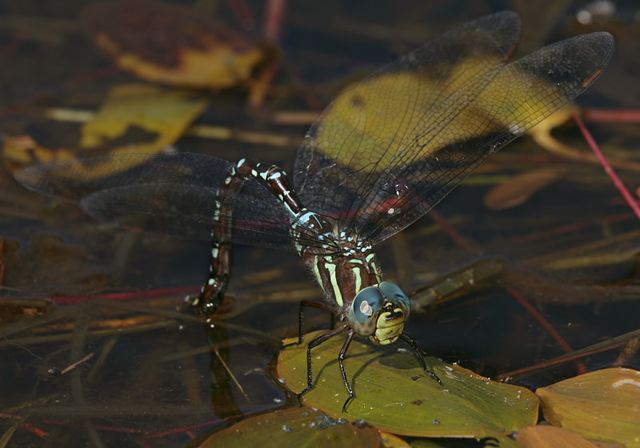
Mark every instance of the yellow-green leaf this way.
pixel 388 111
pixel 162 113
pixel 296 427
pixel 135 118
pixel 394 394
pixel 601 405
pixel 392 441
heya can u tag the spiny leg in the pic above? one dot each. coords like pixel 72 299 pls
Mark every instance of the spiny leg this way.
pixel 418 352
pixel 314 343
pixel 343 372
pixel 273 179
pixel 311 304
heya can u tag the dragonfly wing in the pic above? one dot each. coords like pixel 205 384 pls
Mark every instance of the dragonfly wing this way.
pixel 519 96
pixel 170 193
pixel 371 126
pixel 389 149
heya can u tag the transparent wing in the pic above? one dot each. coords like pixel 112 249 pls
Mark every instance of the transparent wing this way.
pixel 371 127
pixel 171 193
pixel 388 150
pixel 519 96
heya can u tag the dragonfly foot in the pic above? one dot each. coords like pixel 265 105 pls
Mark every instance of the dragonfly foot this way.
pixel 347 401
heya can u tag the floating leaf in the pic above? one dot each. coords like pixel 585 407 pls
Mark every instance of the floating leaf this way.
pixel 543 436
pixel 392 441
pixel 501 441
pixel 602 405
pixel 171 44
pixel 394 394
pixel 299 427
pixel 519 189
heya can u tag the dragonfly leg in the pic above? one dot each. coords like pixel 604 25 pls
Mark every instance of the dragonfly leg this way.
pixel 314 343
pixel 420 355
pixel 343 372
pixel 311 304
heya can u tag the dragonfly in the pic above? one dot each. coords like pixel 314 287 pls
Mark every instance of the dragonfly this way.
pixel 380 156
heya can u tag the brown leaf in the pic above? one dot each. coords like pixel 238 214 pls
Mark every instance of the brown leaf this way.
pixel 599 405
pixel 519 189
pixel 543 436
pixel 171 44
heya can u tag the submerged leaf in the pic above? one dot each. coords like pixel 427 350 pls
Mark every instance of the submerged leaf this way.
pixel 602 405
pixel 395 395
pixel 163 115
pixel 171 44
pixel 519 189
pixel 299 427
pixel 135 118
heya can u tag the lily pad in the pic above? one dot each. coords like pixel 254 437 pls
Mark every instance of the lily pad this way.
pixel 544 436
pixel 601 405
pixel 395 395
pixel 299 427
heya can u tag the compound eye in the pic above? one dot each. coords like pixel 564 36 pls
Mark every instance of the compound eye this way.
pixel 365 308
pixel 367 303
pixel 393 293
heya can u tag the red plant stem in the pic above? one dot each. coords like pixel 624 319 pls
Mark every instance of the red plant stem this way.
pixel 38 432
pixel 560 360
pixel 273 19
pixel 533 311
pixel 460 240
pixel 607 167
pixel 470 247
pixel 130 295
pixel 182 429
pixel 242 13
pixel 612 115
pixel 570 228
pixel 120 429
pixel 1 261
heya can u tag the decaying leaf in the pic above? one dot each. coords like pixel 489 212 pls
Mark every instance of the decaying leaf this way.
pixel 602 405
pixel 19 151
pixel 48 264
pixel 171 44
pixel 395 395
pixel 542 134
pixel 299 427
pixel 519 189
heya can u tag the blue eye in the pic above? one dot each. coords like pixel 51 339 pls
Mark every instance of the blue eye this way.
pixel 393 293
pixel 367 303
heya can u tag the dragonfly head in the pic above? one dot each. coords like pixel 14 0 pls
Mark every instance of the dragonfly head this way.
pixel 380 311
